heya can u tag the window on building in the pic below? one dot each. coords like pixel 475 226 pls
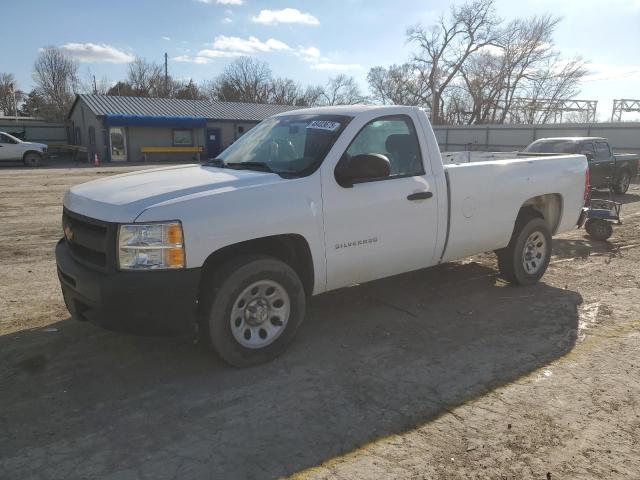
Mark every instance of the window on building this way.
pixel 395 138
pixel 78 136
pixel 183 137
pixel 92 136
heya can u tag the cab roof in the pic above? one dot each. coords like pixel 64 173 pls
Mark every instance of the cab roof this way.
pixel 569 139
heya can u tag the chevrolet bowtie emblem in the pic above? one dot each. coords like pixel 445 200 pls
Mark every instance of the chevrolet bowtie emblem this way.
pixel 68 233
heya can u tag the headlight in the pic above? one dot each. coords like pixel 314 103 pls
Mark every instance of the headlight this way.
pixel 151 246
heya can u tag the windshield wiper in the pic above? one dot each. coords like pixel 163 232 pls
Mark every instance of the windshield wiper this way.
pixel 216 162
pixel 251 166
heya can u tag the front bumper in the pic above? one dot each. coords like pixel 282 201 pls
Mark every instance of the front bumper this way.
pixel 156 301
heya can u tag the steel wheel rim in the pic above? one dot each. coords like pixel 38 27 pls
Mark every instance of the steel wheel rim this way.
pixel 260 314
pixel 534 253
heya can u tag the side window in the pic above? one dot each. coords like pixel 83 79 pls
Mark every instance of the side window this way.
pixel 6 139
pixel 92 136
pixel 602 148
pixel 78 136
pixel 395 138
pixel 587 148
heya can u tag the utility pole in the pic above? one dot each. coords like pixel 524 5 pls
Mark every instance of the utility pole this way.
pixel 95 87
pixel 166 75
pixel 15 103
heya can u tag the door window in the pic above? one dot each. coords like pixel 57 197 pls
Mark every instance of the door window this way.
pixel 6 139
pixel 118 143
pixel 396 139
pixel 587 148
pixel 602 148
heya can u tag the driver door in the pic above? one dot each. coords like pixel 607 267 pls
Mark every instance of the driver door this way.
pixel 8 148
pixel 384 226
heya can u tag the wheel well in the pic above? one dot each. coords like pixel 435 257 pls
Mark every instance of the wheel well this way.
pixel 292 249
pixel 548 207
pixel 31 151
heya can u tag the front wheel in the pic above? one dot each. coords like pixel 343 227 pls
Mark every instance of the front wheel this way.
pixel 252 308
pixel 622 184
pixel 526 258
pixel 32 159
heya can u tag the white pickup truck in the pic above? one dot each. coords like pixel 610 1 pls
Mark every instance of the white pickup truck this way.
pixel 306 202
pixel 13 149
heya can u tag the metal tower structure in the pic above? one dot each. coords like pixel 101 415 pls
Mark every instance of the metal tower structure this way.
pixel 623 105
pixel 554 108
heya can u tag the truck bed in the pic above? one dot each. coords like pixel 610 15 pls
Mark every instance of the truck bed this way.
pixel 487 191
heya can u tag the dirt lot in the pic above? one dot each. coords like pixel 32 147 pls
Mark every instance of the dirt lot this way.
pixel 443 373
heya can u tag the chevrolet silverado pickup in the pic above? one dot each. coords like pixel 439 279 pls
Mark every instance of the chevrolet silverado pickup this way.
pixel 305 202
pixel 606 169
pixel 13 149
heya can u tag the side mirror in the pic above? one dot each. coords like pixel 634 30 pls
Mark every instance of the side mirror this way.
pixel 589 156
pixel 367 166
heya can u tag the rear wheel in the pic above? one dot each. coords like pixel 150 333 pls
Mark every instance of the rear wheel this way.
pixel 598 229
pixel 252 308
pixel 32 159
pixel 526 258
pixel 622 184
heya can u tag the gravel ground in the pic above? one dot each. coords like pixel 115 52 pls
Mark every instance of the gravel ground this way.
pixel 440 373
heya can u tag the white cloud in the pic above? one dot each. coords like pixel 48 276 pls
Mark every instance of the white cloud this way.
pixel 166 38
pixel 286 15
pixel 227 20
pixel 188 59
pixel 96 53
pixel 228 47
pixel 603 71
pixel 248 45
pixel 338 67
pixel 308 54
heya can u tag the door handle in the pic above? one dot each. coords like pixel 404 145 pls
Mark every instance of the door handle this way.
pixel 420 196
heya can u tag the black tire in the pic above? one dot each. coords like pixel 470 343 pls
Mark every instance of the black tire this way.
pixel 518 262
pixel 622 182
pixel 598 229
pixel 221 294
pixel 32 159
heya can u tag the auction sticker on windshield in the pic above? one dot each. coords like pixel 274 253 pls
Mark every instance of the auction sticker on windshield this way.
pixel 324 125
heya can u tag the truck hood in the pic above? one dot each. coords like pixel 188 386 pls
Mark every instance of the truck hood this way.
pixel 122 198
pixel 39 146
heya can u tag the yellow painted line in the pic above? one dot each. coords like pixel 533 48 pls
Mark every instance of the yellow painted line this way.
pixel 170 149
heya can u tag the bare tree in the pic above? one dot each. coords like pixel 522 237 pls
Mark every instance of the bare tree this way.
pixel 342 90
pixel 445 48
pixel 404 84
pixel 146 79
pixel 284 91
pixel 558 80
pixel 56 79
pixel 189 91
pixel 311 97
pixel 243 80
pixel 521 63
pixel 10 94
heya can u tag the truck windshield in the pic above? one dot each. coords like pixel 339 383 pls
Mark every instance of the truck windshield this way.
pixel 287 145
pixel 553 146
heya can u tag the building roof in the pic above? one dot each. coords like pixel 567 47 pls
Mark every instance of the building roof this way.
pixel 102 105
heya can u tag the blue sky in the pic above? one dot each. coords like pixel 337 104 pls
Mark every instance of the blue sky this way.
pixel 307 41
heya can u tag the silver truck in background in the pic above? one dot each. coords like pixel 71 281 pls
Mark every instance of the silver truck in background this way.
pixel 13 149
